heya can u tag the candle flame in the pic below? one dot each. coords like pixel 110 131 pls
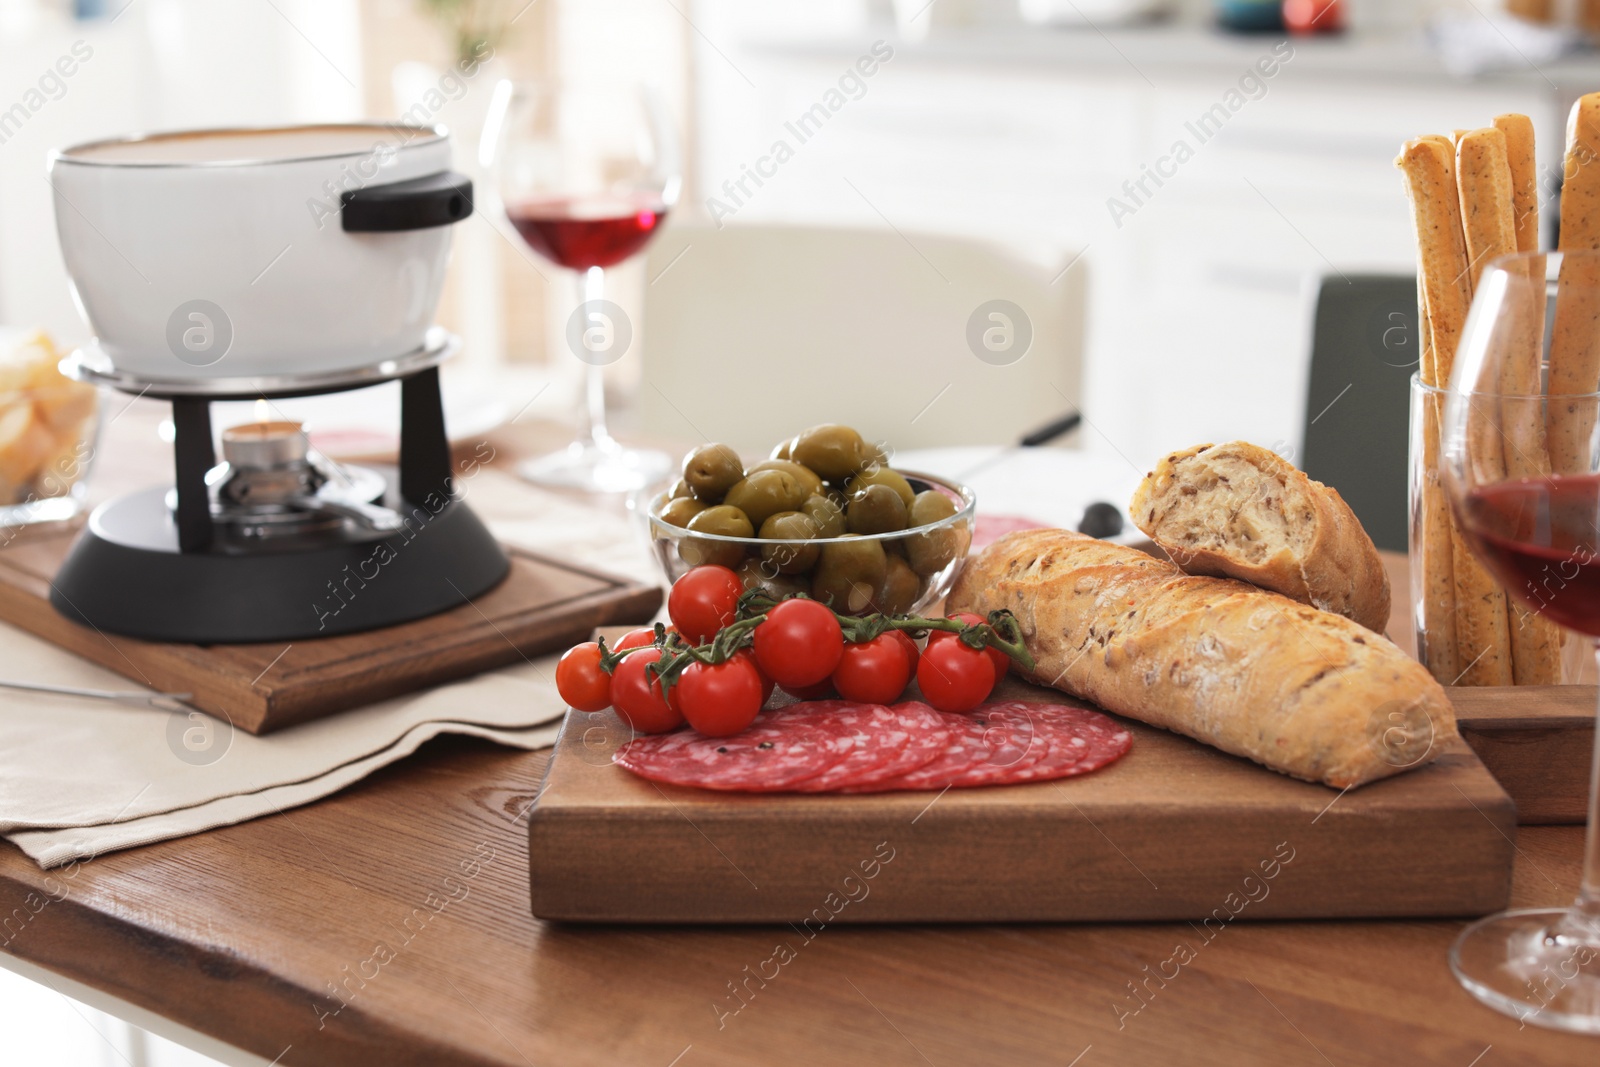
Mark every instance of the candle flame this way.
pixel 263 412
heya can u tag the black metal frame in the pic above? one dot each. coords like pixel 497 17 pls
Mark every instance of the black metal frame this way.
pixel 424 451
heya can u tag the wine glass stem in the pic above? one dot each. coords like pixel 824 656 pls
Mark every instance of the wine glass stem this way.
pixel 592 288
pixel 1589 892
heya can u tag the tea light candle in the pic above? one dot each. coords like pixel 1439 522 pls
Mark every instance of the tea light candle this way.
pixel 265 445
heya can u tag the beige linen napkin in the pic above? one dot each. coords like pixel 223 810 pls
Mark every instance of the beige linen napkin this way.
pixel 79 778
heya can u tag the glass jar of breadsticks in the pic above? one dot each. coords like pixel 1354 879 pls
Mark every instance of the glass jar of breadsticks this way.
pixel 1475 198
pixel 1470 629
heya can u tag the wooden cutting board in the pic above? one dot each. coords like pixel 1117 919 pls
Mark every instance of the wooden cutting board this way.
pixel 1174 830
pixel 541 606
pixel 1537 741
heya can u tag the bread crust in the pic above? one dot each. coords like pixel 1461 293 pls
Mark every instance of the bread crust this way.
pixel 1339 571
pixel 1304 692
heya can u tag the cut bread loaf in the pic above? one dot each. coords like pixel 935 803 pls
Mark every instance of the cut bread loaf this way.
pixel 1302 691
pixel 1240 511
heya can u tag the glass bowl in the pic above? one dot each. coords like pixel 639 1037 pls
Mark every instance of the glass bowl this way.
pixel 931 554
pixel 48 430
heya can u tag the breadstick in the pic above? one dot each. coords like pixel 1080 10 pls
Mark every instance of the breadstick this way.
pixel 1429 167
pixel 1536 642
pixel 1488 219
pixel 1434 581
pixel 1483 640
pixel 1524 177
pixel 1574 342
pixel 1434 578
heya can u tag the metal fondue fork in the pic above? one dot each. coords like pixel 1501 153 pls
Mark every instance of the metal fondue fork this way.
pixel 164 701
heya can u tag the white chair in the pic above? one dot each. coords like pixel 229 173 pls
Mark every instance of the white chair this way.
pixel 752 333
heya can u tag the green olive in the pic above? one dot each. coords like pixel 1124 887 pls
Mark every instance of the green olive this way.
pixel 680 510
pixel 804 475
pixel 757 573
pixel 680 489
pixel 898 591
pixel 783 449
pixel 834 452
pixel 932 551
pixel 827 514
pixel 711 470
pixel 884 476
pixel 765 493
pixel 723 521
pixel 848 574
pixel 876 509
pixel 790 526
pixel 930 506
pixel 874 455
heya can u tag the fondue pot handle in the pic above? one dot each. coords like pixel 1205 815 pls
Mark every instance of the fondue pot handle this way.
pixel 418 204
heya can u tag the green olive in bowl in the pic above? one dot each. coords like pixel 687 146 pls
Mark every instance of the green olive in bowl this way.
pixel 849 572
pixel 804 475
pixel 765 493
pixel 722 521
pixel 833 452
pixel 790 526
pixel 884 476
pixel 826 513
pixel 876 509
pixel 711 470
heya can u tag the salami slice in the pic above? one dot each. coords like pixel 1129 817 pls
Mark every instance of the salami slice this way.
pixel 771 755
pixel 1016 744
pixel 967 747
pixel 1077 740
pixel 883 742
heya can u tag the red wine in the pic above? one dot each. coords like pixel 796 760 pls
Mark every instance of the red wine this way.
pixel 580 234
pixel 1541 537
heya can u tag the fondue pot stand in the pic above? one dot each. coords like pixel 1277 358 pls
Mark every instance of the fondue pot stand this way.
pixel 276 543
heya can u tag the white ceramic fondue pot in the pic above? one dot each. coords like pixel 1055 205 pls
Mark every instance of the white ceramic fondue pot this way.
pixel 285 252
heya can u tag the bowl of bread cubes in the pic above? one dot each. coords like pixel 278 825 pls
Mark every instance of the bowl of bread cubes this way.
pixel 48 427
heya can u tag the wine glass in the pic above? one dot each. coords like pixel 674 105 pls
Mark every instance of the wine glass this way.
pixel 587 174
pixel 1521 465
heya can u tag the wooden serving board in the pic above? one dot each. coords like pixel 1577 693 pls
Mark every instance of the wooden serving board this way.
pixel 1537 741
pixel 542 605
pixel 1174 830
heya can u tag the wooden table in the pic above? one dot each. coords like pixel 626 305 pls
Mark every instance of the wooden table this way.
pixel 389 925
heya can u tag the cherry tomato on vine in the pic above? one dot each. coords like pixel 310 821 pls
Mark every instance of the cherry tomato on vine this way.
pixel 638 697
pixel 954 676
pixel 720 699
pixel 703 601
pixel 799 644
pixel 821 691
pixel 874 672
pixel 999 659
pixel 580 681
pixel 910 646
pixel 767 684
pixel 635 639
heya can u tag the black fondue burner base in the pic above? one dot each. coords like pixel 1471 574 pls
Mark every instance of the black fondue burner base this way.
pixel 126 575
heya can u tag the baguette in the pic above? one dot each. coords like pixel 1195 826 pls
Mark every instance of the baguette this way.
pixel 1304 692
pixel 1240 511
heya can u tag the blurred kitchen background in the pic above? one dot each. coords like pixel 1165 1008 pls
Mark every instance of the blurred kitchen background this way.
pixel 1187 311
pixel 1034 142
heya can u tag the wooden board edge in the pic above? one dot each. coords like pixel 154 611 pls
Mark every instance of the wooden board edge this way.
pixel 370 685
